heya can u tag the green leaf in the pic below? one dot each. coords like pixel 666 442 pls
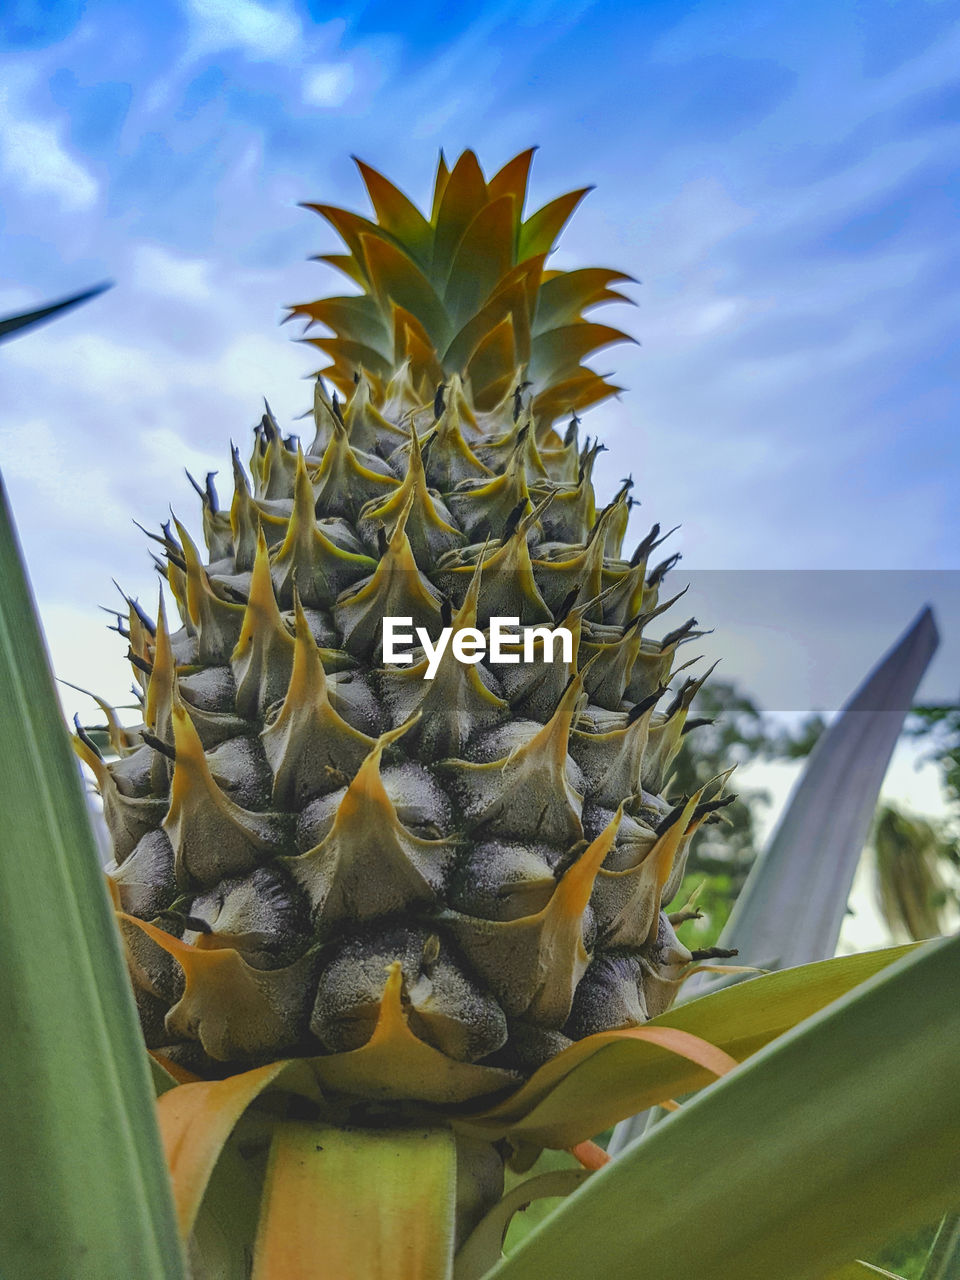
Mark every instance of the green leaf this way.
pixel 590 1085
pixel 943 1262
pixel 793 904
pixel 86 1193
pixel 368 1203
pixel 14 324
pixel 860 1271
pixel 836 1137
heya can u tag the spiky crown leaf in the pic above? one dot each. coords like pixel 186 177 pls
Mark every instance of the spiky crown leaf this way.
pixel 465 291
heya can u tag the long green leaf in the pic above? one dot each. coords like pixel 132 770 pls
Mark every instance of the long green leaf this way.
pixel 792 906
pixel 794 901
pixel 85 1191
pixel 943 1262
pixel 833 1139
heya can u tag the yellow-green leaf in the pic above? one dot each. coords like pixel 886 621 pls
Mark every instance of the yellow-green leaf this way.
pixel 396 212
pixel 841 1135
pixel 607 1076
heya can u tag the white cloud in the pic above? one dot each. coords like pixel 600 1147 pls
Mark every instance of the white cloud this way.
pixel 261 32
pixel 158 271
pixel 107 371
pixel 329 84
pixel 36 457
pixel 35 159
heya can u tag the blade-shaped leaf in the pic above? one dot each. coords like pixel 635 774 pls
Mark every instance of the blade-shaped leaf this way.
pixel 943 1262
pixel 792 906
pixel 10 325
pixel 600 1078
pixel 793 903
pixel 833 1139
pixel 861 1271
pixel 86 1193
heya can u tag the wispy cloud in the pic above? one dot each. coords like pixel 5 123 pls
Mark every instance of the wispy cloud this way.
pixel 157 270
pixel 262 33
pixel 35 160
pixel 328 84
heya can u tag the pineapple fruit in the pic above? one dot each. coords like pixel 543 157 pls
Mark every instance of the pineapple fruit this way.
pixel 305 833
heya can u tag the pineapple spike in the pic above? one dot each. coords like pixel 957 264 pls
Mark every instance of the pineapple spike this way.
pixel 455 704
pixel 367 428
pixel 562 458
pixel 689 910
pixel 369 864
pixel 344 481
pixel 321 569
pixel 535 689
pixel 540 771
pixel 138 653
pixel 401 402
pixel 509 587
pixel 612 762
pixel 573 513
pixel 232 1008
pixel 173 569
pixel 627 597
pixel 273 463
pixel 146 622
pixel 323 418
pixel 666 735
pixel 263 656
pixel 619 519
pixel 310 744
pixel 217 533
pixel 248 520
pixel 533 964
pixel 448 458
pixel 157 703
pixel 584 566
pixel 396 588
pixel 430 533
pixel 128 818
pixel 212 837
pixel 216 621
pixel 118 626
pixel 393 1052
pixel 481 507
pixel 628 902
pixel 653 540
pixel 613 666
pixel 119 738
pixel 666 851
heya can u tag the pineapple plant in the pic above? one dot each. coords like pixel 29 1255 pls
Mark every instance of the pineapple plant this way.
pixel 302 829
pixel 419 898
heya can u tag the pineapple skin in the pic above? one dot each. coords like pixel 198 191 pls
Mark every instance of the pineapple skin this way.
pixel 298 824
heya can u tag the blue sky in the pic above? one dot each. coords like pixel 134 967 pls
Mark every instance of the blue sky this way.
pixel 783 179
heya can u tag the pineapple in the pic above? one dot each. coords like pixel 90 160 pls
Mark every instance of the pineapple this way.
pixel 312 844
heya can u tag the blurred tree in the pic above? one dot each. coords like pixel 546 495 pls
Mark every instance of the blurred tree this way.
pixel 937 725
pixel 917 862
pixel 914 885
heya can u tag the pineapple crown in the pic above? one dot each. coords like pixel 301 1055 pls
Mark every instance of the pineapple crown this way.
pixel 465 292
